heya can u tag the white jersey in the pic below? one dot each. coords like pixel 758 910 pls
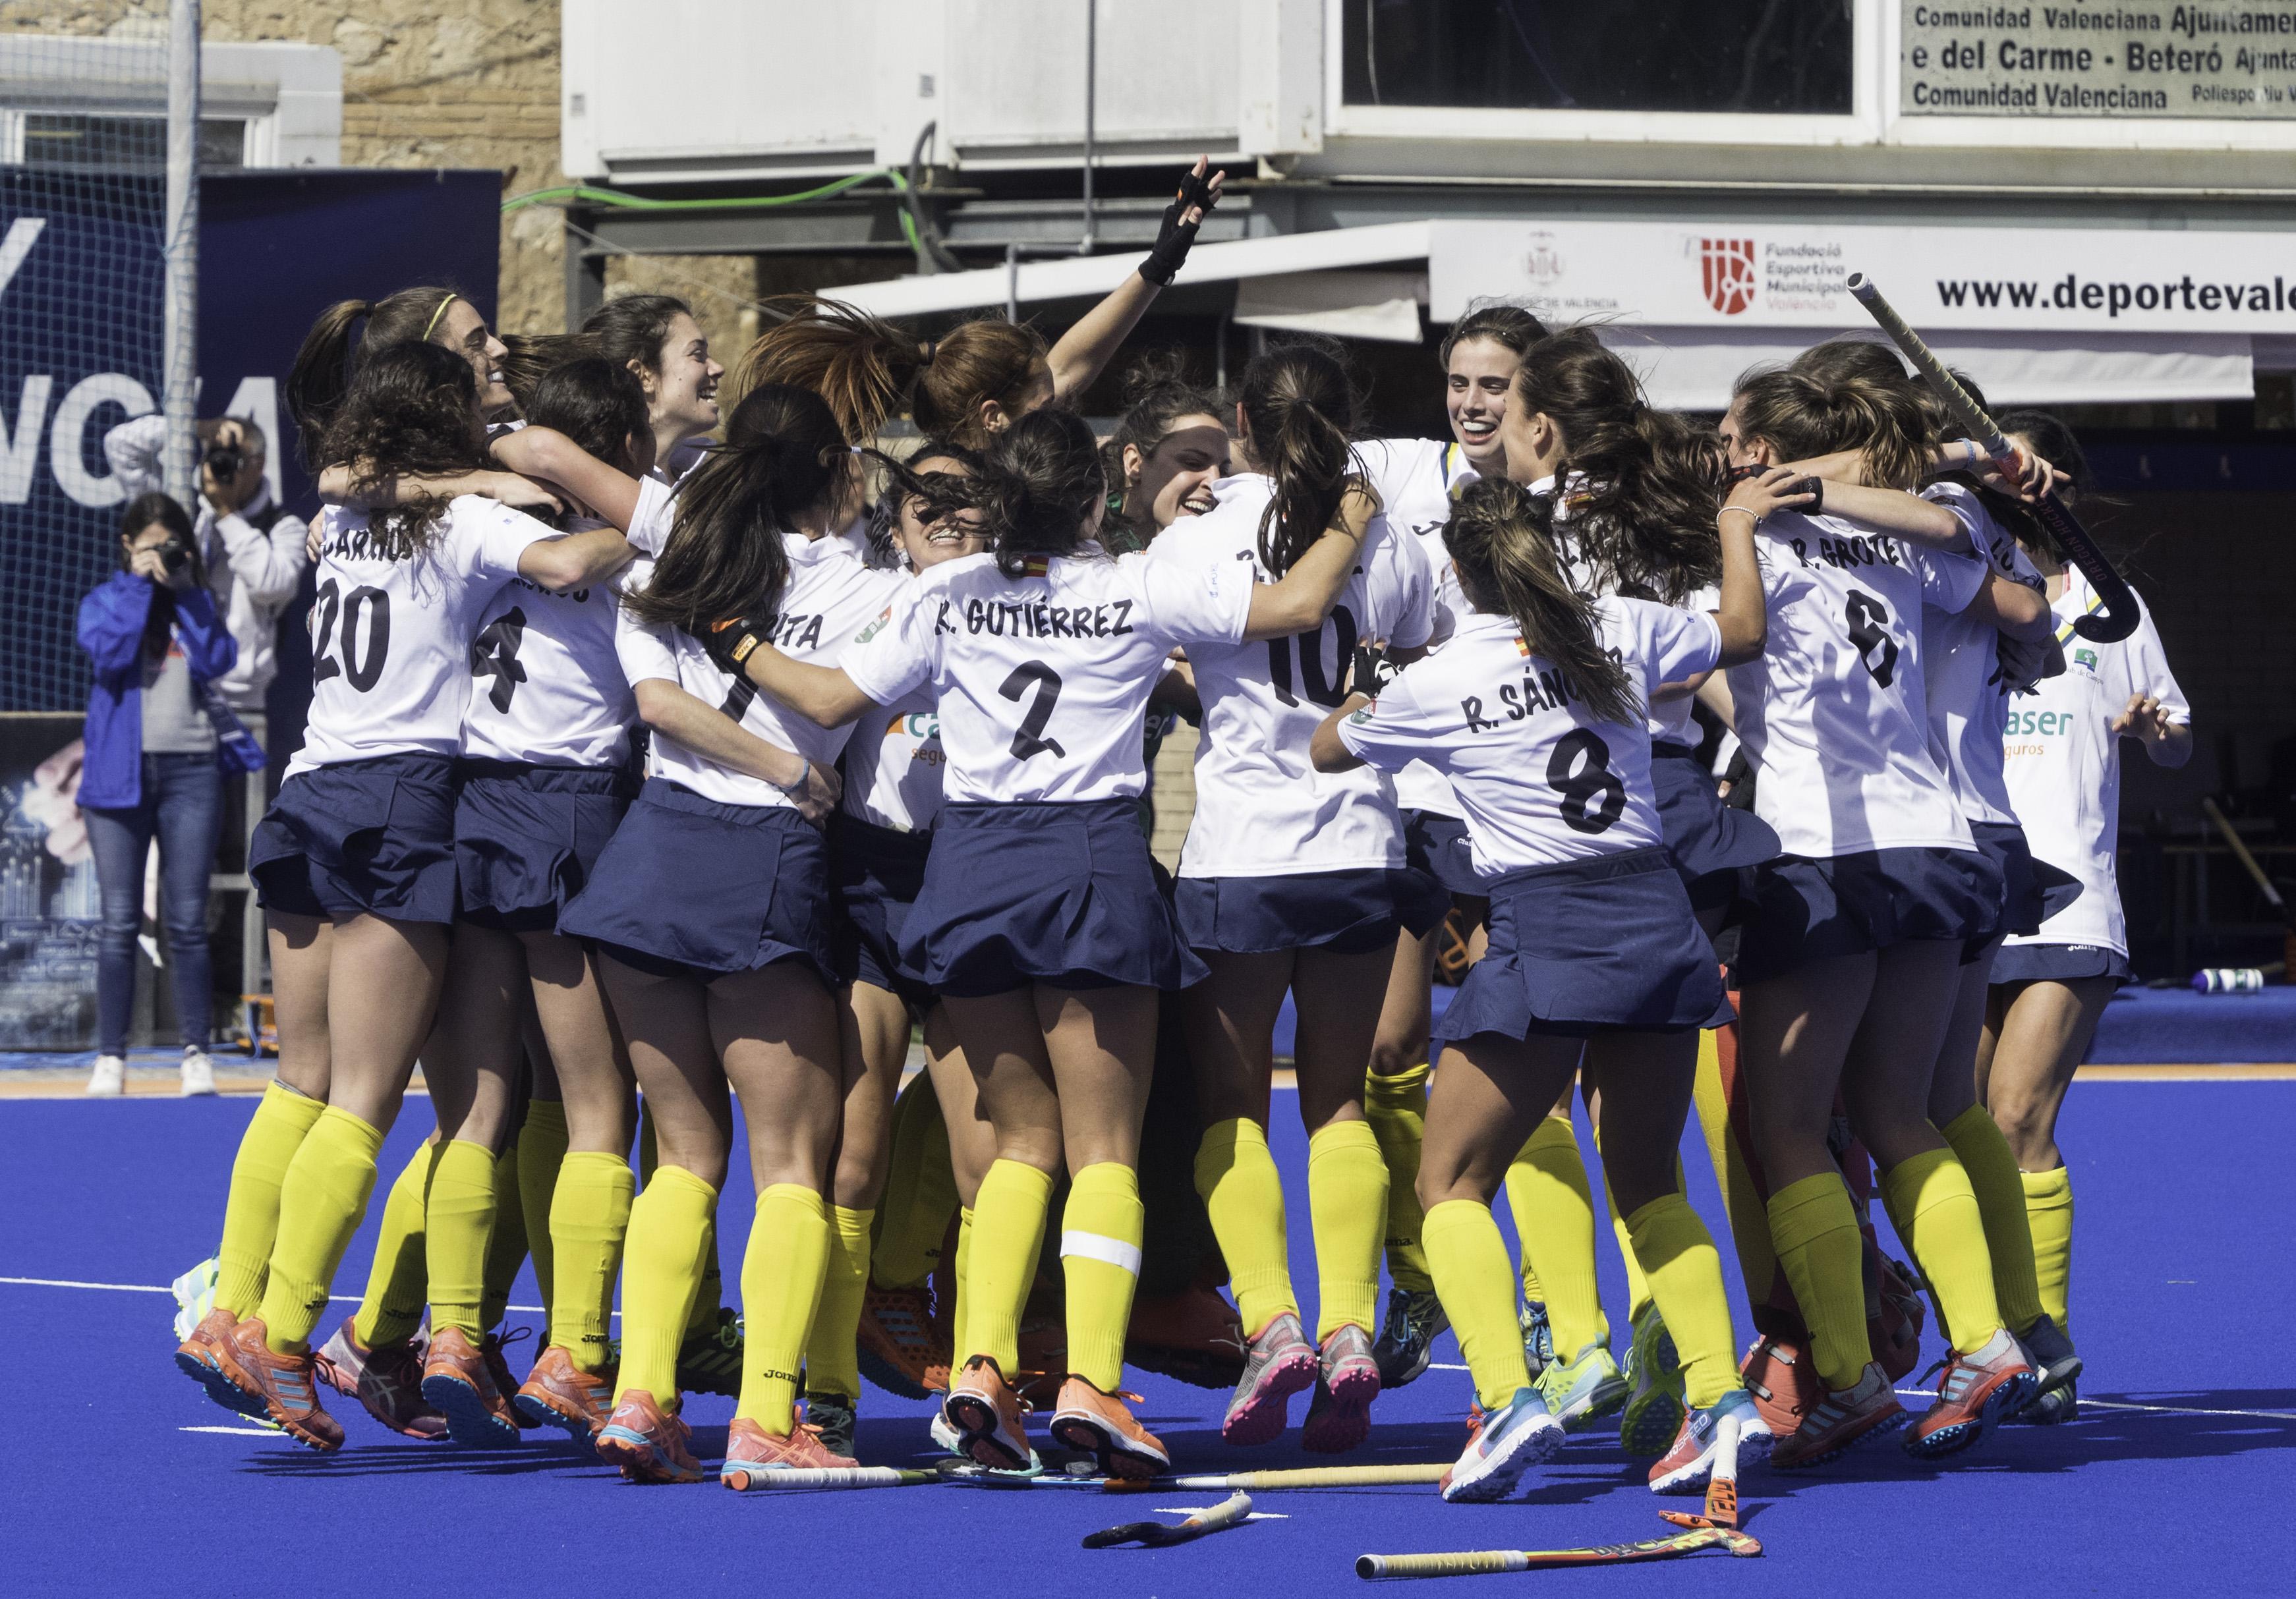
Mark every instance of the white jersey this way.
pixel 893 765
pixel 1415 480
pixel 1540 780
pixel 650 522
pixel 830 598
pixel 1832 713
pixel 1262 809
pixel 1961 666
pixel 1043 679
pixel 390 639
pixel 2063 761
pixel 1670 719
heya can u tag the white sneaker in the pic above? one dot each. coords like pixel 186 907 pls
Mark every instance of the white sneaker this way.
pixel 109 1080
pixel 199 1072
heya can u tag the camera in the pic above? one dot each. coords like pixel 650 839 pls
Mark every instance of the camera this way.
pixel 175 553
pixel 224 461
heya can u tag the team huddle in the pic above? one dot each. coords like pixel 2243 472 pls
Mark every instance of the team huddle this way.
pixel 668 749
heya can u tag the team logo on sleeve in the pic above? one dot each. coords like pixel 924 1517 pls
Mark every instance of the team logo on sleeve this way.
pixel 875 627
pixel 2086 657
pixel 1365 712
pixel 1521 648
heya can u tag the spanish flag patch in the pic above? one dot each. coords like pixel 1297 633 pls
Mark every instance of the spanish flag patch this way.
pixel 1521 648
pixel 1035 565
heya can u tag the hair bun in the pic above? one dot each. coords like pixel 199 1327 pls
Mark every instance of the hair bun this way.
pixel 927 351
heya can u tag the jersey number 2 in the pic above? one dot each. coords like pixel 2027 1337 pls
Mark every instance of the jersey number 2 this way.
pixel 363 672
pixel 1867 617
pixel 1580 784
pixel 1030 738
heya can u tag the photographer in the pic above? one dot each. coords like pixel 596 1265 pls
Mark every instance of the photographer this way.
pixel 252 551
pixel 157 741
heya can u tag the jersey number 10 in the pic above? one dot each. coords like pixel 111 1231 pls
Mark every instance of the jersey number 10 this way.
pixel 1328 691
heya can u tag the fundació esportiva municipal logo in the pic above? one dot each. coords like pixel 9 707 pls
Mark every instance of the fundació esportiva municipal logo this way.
pixel 1726 273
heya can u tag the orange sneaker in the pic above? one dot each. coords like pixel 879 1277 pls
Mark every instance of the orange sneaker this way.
pixel 200 1357
pixel 280 1388
pixel 1193 1336
pixel 902 1348
pixel 490 1350
pixel 558 1393
pixel 1841 1420
pixel 753 1454
pixel 1099 1424
pixel 458 1380
pixel 388 1381
pixel 649 1443
pixel 1784 1384
pixel 1977 1392
pixel 985 1410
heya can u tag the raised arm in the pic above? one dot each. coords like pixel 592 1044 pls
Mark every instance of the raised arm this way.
pixel 2020 612
pixel 1305 595
pixel 709 732
pixel 547 454
pixel 343 484
pixel 1890 510
pixel 1086 350
pixel 1743 614
pixel 1325 750
pixel 820 694
pixel 576 560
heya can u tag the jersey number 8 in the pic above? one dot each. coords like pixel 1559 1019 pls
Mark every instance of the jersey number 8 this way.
pixel 1579 784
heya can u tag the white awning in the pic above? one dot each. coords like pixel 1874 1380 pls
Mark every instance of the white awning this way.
pixel 1095 275
pixel 1345 304
pixel 1694 369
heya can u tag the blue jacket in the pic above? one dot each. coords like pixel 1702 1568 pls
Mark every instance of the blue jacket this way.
pixel 112 621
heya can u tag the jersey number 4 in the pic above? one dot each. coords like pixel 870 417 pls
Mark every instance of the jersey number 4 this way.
pixel 495 653
pixel 1030 740
pixel 1867 618
pixel 362 669
pixel 1593 795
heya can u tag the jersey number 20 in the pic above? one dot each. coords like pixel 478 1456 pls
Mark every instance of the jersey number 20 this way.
pixel 361 670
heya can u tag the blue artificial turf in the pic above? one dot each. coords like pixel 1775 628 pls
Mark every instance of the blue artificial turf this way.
pixel 2182 1294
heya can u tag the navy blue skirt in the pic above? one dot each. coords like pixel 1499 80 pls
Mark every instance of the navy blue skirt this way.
pixel 2059 964
pixel 1349 912
pixel 526 838
pixel 1437 845
pixel 695 887
pixel 1808 909
pixel 1058 894
pixel 1603 944
pixel 875 875
pixel 373 837
pixel 1710 842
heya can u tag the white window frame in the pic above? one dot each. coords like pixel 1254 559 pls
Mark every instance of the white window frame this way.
pixel 289 96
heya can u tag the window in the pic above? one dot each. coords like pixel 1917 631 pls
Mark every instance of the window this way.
pixel 68 139
pixel 1768 56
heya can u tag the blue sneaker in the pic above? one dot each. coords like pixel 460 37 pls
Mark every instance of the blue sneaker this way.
pixel 1501 1446
pixel 1537 1338
pixel 1583 1389
pixel 1407 1338
pixel 1654 1410
pixel 1689 1465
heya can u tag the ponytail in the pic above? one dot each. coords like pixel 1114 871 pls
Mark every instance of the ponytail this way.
pixel 1805 413
pixel 864 367
pixel 329 357
pixel 1038 485
pixel 1503 543
pixel 1299 407
pixel 782 457
pixel 1649 483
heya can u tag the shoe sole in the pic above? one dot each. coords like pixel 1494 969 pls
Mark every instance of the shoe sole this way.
pixel 469 1422
pixel 1535 1446
pixel 1261 1416
pixel 1753 1450
pixel 542 1410
pixel 1654 1411
pixel 219 1389
pixel 1606 1397
pixel 1956 1438
pixel 1344 1421
pixel 2048 1379
pixel 639 1460
pixel 1118 1456
pixel 978 1433
pixel 1881 1429
pixel 266 1411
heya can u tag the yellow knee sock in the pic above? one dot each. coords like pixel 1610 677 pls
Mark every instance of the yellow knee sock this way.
pixel 1554 1219
pixel 1101 1230
pixel 541 1150
pixel 1935 1211
pixel 1685 1283
pixel 832 1363
pixel 1008 1232
pixel 709 1293
pixel 1814 1231
pixel 2049 1211
pixel 589 1214
pixel 458 1224
pixel 920 1192
pixel 1468 1260
pixel 1994 1178
pixel 957 1330
pixel 1396 1109
pixel 1243 1195
pixel 1638 1288
pixel 251 1210
pixel 1347 1199
pixel 507 1242
pixel 661 1266
pixel 398 1285
pixel 322 1201
pixel 781 1290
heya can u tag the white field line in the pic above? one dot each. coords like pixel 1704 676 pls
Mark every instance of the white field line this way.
pixel 340 1298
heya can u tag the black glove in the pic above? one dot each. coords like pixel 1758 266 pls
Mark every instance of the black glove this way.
pixel 1174 237
pixel 730 642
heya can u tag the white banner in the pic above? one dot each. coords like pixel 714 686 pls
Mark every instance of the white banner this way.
pixel 1745 275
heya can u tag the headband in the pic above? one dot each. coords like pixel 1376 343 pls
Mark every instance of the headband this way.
pixel 433 325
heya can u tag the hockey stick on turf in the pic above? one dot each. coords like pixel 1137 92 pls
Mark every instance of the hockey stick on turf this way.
pixel 1471 1562
pixel 1230 1511
pixel 829 1477
pixel 1306 1477
pixel 2120 613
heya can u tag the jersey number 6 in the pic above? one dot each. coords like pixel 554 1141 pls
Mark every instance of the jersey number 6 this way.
pixel 1031 740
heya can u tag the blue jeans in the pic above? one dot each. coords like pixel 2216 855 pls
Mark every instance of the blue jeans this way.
pixel 182 802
